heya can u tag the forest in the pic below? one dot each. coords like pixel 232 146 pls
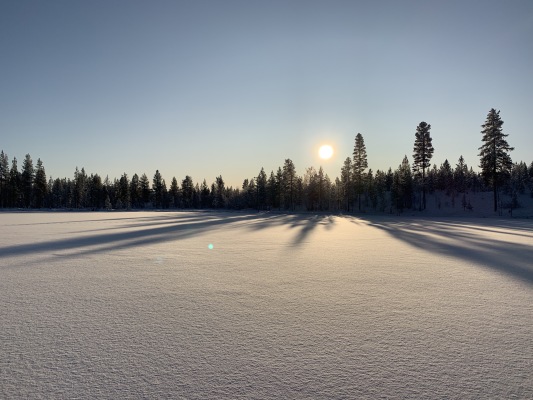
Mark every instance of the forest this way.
pixel 357 189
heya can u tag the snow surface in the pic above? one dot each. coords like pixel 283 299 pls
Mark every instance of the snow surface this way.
pixel 136 305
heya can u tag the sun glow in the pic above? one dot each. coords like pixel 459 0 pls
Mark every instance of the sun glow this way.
pixel 325 152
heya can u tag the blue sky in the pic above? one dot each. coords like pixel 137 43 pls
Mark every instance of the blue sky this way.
pixel 210 88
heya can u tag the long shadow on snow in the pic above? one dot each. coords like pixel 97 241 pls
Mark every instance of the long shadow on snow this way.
pixel 158 231
pixel 459 239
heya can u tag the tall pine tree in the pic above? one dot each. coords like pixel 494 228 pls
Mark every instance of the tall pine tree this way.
pixel 495 161
pixel 422 153
pixel 360 163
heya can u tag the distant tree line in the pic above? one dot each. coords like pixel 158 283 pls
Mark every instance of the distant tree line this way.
pixel 356 189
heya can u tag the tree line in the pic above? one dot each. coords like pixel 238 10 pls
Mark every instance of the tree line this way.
pixel 358 188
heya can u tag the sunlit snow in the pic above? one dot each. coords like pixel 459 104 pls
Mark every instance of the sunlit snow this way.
pixel 205 305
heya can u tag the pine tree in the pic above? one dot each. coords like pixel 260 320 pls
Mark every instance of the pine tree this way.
pixel 530 175
pixel 272 192
pixel 174 193
pixel 4 179
pixel 371 189
pixel 422 153
pixel 279 188
pixel 40 185
pixel 80 188
pixel 380 183
pixel 27 176
pixel 187 191
pixel 219 200
pixel 320 178
pixel 144 184
pixel 14 184
pixel 359 165
pixel 310 183
pixel 124 193
pixel 135 191
pixel 157 186
pixel 460 175
pixel 346 182
pixel 289 183
pixel 402 187
pixel 261 189
pixel 495 161
pixel 338 194
pixel 205 195
pixel 164 194
pixel 96 192
pixel 445 177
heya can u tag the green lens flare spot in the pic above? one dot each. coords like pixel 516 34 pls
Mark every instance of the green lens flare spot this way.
pixel 210 246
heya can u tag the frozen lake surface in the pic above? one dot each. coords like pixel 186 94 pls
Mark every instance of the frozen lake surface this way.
pixel 136 305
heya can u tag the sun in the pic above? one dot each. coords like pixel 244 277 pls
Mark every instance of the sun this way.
pixel 325 152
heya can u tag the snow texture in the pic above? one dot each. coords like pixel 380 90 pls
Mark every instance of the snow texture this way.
pixel 138 305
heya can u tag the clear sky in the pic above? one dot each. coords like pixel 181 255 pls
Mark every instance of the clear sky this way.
pixel 210 88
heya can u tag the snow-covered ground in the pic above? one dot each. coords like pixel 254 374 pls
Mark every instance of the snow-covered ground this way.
pixel 137 305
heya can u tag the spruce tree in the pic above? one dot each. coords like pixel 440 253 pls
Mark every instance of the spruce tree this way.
pixel 495 161
pixel 360 163
pixel 422 153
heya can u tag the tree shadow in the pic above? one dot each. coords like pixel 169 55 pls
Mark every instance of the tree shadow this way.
pixel 467 240
pixel 160 229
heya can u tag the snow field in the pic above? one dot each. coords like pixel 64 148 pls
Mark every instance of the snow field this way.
pixel 135 305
